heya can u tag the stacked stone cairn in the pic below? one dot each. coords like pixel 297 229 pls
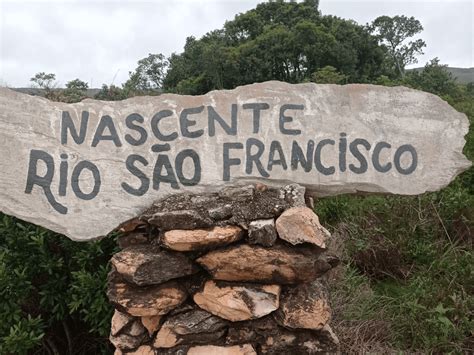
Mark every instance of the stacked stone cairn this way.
pixel 239 271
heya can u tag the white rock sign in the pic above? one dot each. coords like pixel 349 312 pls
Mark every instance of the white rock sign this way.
pixel 83 169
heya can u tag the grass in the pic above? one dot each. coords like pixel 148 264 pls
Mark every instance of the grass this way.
pixel 407 278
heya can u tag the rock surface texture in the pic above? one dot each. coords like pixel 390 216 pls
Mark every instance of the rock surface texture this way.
pixel 300 225
pixel 331 139
pixel 241 285
pixel 238 302
pixel 198 239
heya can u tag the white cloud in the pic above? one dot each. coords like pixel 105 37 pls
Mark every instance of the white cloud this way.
pixel 99 40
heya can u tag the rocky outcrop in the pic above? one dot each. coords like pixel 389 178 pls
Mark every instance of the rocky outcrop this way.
pixel 231 272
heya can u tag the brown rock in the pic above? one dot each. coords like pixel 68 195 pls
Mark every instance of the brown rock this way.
pixel 238 302
pixel 301 225
pixel 119 321
pixel 194 327
pixel 143 350
pixel 127 240
pixel 280 264
pixel 304 306
pixel 198 239
pixel 131 225
pixel 245 349
pixel 136 329
pixel 126 341
pixel 262 232
pixel 146 301
pixel 265 335
pixel 147 265
pixel 301 342
pixel 152 323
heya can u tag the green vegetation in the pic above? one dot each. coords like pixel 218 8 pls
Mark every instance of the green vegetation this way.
pixel 406 281
pixel 52 291
pixel 394 32
pixel 408 265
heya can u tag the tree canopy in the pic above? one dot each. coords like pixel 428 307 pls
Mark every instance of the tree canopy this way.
pixel 394 32
pixel 277 40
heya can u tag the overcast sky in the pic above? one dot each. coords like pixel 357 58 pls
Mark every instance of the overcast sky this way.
pixel 100 41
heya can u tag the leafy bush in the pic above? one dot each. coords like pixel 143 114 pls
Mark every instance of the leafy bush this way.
pixel 52 291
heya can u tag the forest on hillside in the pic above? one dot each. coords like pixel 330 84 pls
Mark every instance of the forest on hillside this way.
pixel 406 278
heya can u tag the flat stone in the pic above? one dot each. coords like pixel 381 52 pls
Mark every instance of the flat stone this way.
pixel 198 239
pixel 304 306
pixel 238 302
pixel 152 323
pixel 231 206
pixel 307 122
pixel 245 349
pixel 130 239
pixel 143 350
pixel 146 301
pixel 131 225
pixel 185 219
pixel 194 327
pixel 266 335
pixel 286 341
pixel 279 264
pixel 126 341
pixel 262 232
pixel 147 265
pixel 238 192
pixel 299 225
pixel 119 321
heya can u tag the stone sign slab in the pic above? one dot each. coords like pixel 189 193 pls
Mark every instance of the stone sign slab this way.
pixel 82 169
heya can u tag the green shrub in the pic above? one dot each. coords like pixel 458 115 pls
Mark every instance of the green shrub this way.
pixel 52 290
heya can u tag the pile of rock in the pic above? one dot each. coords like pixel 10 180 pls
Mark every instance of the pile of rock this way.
pixel 233 272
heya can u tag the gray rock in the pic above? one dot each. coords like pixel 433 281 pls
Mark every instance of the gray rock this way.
pixel 331 139
pixel 184 219
pixel 146 265
pixel 220 213
pixel 262 232
pixel 194 327
pixel 129 239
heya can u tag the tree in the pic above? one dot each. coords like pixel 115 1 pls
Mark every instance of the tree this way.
pixel 434 78
pixel 76 90
pixel 277 40
pixel 46 81
pixel 393 32
pixel 328 75
pixel 111 93
pixel 149 74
